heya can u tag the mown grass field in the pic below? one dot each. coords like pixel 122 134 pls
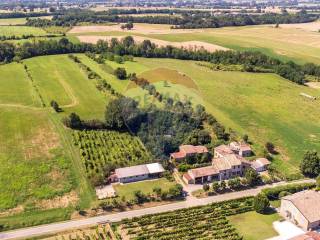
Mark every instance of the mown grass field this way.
pixel 264 106
pixel 59 78
pixel 255 226
pixel 16 88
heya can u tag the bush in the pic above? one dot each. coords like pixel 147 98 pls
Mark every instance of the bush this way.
pixel 120 73
pixel 261 203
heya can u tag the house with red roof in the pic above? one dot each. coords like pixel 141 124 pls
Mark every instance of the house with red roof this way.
pixel 188 150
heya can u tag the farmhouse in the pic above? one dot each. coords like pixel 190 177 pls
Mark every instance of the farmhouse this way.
pixel 242 149
pixel 222 150
pixel 303 209
pixel 260 164
pixel 139 172
pixel 188 150
pixel 307 236
pixel 222 168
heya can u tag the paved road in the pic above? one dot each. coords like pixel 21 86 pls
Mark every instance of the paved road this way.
pixel 190 202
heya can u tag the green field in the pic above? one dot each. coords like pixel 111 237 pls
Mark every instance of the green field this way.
pixel 255 226
pixel 12 21
pixel 34 165
pixel 16 88
pixel 21 30
pixel 298 44
pixel 60 79
pixel 127 190
pixel 264 106
pixel 41 169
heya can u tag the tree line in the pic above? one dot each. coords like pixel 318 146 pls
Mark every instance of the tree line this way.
pixel 289 70
pixel 187 20
pixel 23 15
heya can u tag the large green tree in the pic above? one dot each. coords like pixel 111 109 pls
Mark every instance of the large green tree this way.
pixel 310 164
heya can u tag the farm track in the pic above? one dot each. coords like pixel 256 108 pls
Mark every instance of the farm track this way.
pixel 69 91
pixel 20 106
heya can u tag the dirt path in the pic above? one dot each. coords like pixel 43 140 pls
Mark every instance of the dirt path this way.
pixel 20 106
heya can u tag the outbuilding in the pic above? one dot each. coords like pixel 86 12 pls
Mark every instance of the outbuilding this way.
pixel 302 209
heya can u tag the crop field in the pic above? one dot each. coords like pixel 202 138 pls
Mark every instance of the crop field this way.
pixel 207 222
pixel 300 42
pixel 102 150
pixel 264 106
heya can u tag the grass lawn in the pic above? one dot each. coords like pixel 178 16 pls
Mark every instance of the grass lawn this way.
pixel 16 88
pixel 127 190
pixel 275 203
pixel 255 226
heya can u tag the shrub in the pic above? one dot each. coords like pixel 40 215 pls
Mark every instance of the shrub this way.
pixel 261 203
pixel 283 194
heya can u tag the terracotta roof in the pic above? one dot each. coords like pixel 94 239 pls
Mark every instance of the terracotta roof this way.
pixel 245 147
pixel 307 236
pixel 227 162
pixel 308 203
pixel 178 155
pixel 202 172
pixel 223 150
pixel 190 149
pixel 187 176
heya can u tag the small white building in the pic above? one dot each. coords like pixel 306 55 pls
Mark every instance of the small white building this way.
pixel 302 209
pixel 139 172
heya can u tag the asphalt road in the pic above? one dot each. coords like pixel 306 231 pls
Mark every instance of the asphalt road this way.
pixel 77 224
